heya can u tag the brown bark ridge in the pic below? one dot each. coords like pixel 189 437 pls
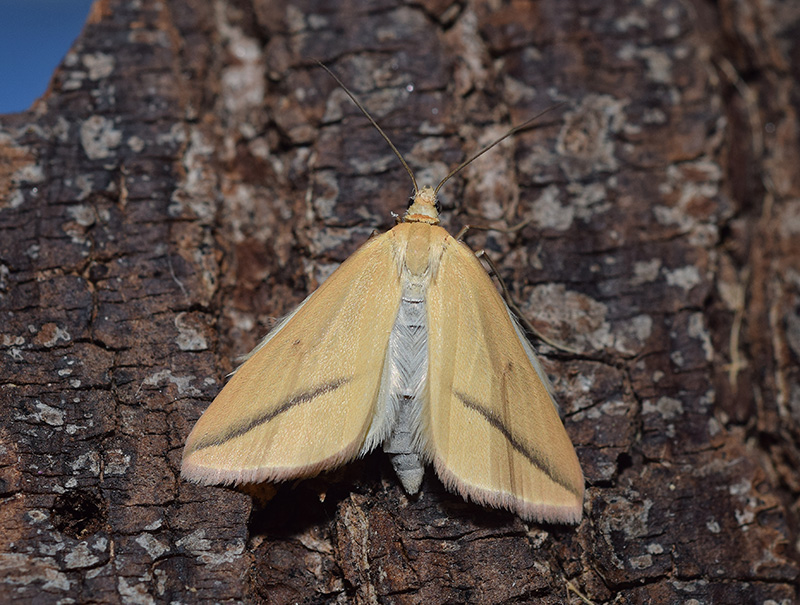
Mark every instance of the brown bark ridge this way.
pixel 191 174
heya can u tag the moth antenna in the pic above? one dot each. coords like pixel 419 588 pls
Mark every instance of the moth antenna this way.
pixel 513 131
pixel 375 124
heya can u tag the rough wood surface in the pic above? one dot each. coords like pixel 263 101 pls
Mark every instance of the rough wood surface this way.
pixel 191 175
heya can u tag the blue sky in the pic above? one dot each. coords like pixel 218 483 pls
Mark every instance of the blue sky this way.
pixel 34 37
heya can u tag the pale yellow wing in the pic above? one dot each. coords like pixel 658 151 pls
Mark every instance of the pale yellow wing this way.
pixel 493 431
pixel 304 399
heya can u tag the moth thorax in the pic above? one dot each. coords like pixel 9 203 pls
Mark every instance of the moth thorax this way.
pixel 423 208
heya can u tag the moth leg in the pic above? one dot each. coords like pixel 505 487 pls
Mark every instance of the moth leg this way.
pixel 513 229
pixel 515 309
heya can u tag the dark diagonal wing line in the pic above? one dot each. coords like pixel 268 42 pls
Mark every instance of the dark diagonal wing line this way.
pixel 535 458
pixel 295 400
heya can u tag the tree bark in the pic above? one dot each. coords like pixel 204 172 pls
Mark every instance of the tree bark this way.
pixel 192 174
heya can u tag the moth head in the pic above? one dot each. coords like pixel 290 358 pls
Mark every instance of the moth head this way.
pixel 423 208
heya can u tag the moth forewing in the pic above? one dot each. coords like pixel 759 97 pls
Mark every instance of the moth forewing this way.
pixel 304 400
pixel 495 433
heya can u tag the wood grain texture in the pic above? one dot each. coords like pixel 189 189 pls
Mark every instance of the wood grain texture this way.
pixel 191 174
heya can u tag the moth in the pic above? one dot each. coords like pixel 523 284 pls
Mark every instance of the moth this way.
pixel 409 346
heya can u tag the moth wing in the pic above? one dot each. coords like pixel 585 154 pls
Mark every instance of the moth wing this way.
pixel 304 399
pixel 492 429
